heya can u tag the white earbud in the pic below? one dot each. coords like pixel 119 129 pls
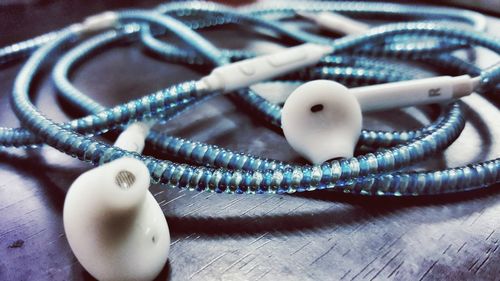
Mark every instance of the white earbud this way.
pixel 321 120
pixel 113 224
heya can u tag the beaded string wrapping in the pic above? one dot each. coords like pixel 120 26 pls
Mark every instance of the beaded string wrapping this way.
pixel 353 62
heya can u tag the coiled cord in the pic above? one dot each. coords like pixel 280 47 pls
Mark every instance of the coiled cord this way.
pixel 222 170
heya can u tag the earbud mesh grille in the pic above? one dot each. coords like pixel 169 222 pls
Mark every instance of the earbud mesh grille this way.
pixel 125 179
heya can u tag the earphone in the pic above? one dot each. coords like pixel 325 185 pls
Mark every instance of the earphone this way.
pixel 114 226
pixel 310 133
pixel 322 121
pixel 239 173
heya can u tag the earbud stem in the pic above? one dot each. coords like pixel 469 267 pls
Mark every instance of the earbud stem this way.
pixel 413 92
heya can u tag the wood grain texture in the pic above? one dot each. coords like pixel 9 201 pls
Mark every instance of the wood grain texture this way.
pixel 311 236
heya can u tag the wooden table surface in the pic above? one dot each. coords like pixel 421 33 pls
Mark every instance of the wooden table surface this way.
pixel 311 236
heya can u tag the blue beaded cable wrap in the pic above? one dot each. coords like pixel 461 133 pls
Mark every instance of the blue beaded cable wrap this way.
pixel 221 170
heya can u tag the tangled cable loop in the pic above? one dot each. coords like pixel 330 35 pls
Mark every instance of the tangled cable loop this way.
pixel 220 170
